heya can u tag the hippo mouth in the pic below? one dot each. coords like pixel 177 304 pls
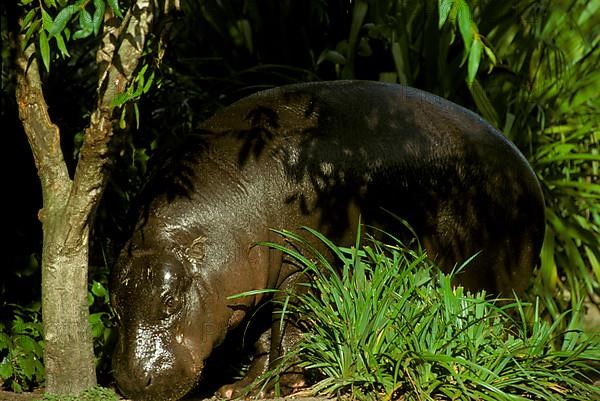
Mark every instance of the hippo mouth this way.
pixel 163 391
pixel 162 382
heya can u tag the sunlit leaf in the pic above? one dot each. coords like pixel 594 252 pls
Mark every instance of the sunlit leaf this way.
pixel 44 49
pixel 474 59
pixel 62 19
pixel 61 45
pixel 86 21
pixel 490 54
pixel 46 20
pixel 28 17
pixel 98 290
pixel 32 28
pixel 465 25
pixel 149 83
pixel 98 15
pixel 444 7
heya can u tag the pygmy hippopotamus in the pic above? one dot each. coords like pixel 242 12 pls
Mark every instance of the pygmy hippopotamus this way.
pixel 322 155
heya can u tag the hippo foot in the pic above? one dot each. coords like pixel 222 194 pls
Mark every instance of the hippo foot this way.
pixel 288 383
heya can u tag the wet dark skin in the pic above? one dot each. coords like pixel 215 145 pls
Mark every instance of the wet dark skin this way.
pixel 321 155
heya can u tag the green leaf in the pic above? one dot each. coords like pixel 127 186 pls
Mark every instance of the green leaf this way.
pixel 491 55
pixel 46 20
pixel 332 56
pixel 96 324
pixel 119 100
pixel 86 21
pixel 99 290
pixel 465 24
pixel 122 122
pixel 61 20
pixel 27 366
pixel 32 28
pixel 4 341
pixel 61 45
pixel 483 103
pixel 474 59
pixel 593 262
pixel 81 34
pixel 28 17
pixel 98 15
pixel 136 113
pixel 444 8
pixel 548 269
pixel 16 387
pixel 45 49
pixel 114 5
pixel 148 84
pixel 6 370
pixel 26 343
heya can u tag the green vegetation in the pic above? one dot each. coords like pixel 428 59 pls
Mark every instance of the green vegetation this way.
pixel 22 345
pixel 528 67
pixel 21 349
pixel 382 323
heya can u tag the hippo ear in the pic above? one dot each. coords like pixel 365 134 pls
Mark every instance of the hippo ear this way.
pixel 195 252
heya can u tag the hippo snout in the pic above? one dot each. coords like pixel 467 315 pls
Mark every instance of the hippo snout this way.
pixel 135 385
pixel 154 376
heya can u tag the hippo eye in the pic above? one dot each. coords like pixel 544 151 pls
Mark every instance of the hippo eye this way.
pixel 171 304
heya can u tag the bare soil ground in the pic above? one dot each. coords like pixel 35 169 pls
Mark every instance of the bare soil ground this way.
pixel 38 394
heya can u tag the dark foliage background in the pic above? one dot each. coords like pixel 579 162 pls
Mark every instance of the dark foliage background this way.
pixel 537 80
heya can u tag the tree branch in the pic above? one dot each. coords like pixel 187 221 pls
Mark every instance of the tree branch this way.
pixel 118 57
pixel 43 135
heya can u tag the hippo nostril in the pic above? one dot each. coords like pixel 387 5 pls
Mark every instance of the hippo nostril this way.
pixel 149 381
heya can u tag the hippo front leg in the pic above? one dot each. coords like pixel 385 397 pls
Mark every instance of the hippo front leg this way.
pixel 262 362
pixel 270 347
pixel 259 366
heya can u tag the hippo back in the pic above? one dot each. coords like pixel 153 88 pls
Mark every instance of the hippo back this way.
pixel 329 152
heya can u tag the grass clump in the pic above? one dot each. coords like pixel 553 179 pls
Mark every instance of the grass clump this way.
pixel 382 323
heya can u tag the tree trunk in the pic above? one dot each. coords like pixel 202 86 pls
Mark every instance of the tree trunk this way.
pixel 69 204
pixel 68 352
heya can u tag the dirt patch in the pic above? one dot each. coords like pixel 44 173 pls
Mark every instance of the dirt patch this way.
pixel 38 394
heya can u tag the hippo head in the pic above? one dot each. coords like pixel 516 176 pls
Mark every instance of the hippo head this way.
pixel 162 344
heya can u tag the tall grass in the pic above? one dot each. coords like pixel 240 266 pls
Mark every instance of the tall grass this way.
pixel 382 322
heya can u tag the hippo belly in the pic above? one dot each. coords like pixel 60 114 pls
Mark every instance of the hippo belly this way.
pixel 320 155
